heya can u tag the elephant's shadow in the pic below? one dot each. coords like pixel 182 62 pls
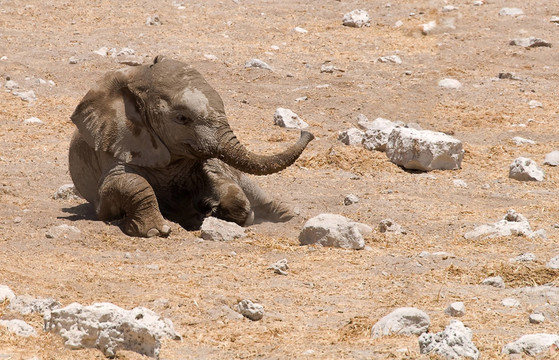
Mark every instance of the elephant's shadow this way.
pixel 84 211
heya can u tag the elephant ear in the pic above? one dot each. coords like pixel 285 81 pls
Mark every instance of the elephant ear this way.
pixel 111 118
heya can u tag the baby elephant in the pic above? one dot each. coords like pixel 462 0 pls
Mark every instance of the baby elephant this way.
pixel 153 142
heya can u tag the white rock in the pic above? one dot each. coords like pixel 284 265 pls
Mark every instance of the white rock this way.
pixel 524 169
pixel 532 344
pixel 511 12
pixel 427 28
pixel 153 20
pixel 300 30
pixel 357 18
pixel 110 328
pixel 553 263
pixel 19 327
pixel 377 132
pixel 402 321
pixel 521 141
pixel 351 136
pixel 257 63
pixel 122 52
pixel 530 42
pixel 251 310
pixel 334 230
pixel 478 2
pixel 6 293
pixel 424 150
pixel 219 230
pixel 535 104
pixel 64 231
pixel 455 342
pixel 389 226
pixel 73 60
pixel 11 85
pixel 210 57
pixel 510 302
pixel 552 158
pixel 351 199
pixel 25 305
pixel 102 51
pixel 554 19
pixel 495 281
pixel 460 183
pixel 33 120
pixel 450 84
pixel 456 309
pixel 28 96
pixel 288 119
pixel 398 24
pixel 392 59
pixel 525 257
pixel 512 224
pixel 449 8
pixel 66 192
pixel 536 318
pixel 280 267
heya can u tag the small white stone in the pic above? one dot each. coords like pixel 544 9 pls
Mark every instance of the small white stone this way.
pixel 288 119
pixel 510 302
pixel 526 257
pixel 102 51
pixel 535 104
pixel 300 30
pixel 450 84
pixel 219 230
pixel 531 344
pixel 351 137
pixel 552 158
pixel 63 231
pixel 6 293
pixel 524 169
pixel 275 47
pixel 456 309
pixel 449 8
pixel 66 192
pixel 335 231
pixel 402 321
pixel 28 96
pixel 252 311
pixel 73 60
pixel 521 141
pixel 351 199
pixel 398 24
pixel 356 18
pixel 258 64
pixel 530 42
pixel 11 85
pixel 427 28
pixel 153 20
pixel 33 120
pixel 553 263
pixel 389 226
pixel 210 57
pixel 536 318
pixel 495 281
pixel 460 183
pixel 280 267
pixel 554 19
pixel 393 59
pixel 511 12
pixel 478 2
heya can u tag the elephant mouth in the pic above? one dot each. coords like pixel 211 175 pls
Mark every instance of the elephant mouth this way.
pixel 193 150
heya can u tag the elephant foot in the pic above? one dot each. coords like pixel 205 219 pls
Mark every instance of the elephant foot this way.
pixel 142 228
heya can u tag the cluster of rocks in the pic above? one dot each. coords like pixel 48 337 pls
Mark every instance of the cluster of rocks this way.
pixel 103 326
pixel 125 56
pixel 406 145
pixel 513 224
pixel 25 95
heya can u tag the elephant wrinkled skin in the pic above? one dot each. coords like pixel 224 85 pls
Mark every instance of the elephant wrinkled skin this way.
pixel 153 143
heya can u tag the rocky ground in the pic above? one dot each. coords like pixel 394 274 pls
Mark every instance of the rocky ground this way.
pixel 327 304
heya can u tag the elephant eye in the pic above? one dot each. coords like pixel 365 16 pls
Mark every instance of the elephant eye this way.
pixel 181 119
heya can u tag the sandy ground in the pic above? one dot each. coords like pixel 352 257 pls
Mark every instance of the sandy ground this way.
pixel 325 307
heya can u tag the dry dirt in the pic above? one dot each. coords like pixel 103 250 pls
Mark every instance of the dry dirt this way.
pixel 325 307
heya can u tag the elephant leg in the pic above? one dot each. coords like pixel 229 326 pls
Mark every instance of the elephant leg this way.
pixel 129 196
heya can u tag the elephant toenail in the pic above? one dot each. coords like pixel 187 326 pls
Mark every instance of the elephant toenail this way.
pixel 166 229
pixel 152 233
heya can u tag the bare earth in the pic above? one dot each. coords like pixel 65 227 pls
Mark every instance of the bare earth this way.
pixel 324 308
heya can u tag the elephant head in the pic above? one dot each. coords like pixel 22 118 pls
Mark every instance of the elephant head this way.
pixel 153 114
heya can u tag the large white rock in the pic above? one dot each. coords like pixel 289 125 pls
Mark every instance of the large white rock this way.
pixel 532 344
pixel 357 18
pixel 552 158
pixel 402 321
pixel 424 150
pixel 220 230
pixel 63 231
pixel 377 133
pixel 250 310
pixel 524 169
pixel 109 328
pixel 351 136
pixel 512 224
pixel 288 119
pixel 455 342
pixel 25 305
pixel 19 327
pixel 334 230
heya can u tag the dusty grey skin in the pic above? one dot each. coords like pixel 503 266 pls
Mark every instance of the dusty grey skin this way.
pixel 153 142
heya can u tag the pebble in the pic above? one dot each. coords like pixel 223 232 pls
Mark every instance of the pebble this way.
pixel 460 183
pixel 526 257
pixel 280 267
pixel 28 96
pixel 66 192
pixel 250 310
pixel 553 263
pixel 552 158
pixel 456 309
pixel 510 302
pixel 402 321
pixel 33 120
pixel 522 141
pixel 389 226
pixel 210 57
pixel 449 8
pixel 393 59
pixel 508 75
pixel 478 2
pixel 427 28
pixel 334 231
pixel 531 344
pixel 536 318
pixel 63 231
pixel 450 84
pixel 535 104
pixel 357 18
pixel 351 199
pixel 11 85
pixel 530 42
pixel 495 281
pixel 215 229
pixel 73 60
pixel 300 30
pixel 153 20
pixel 258 64
pixel 554 19
pixel 511 12
pixel 455 342
pixel 351 137
pixel 512 224
pixel 288 119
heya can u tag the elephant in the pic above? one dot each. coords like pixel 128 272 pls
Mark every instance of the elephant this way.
pixel 153 144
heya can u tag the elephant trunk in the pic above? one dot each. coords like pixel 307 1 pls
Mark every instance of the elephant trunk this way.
pixel 233 153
